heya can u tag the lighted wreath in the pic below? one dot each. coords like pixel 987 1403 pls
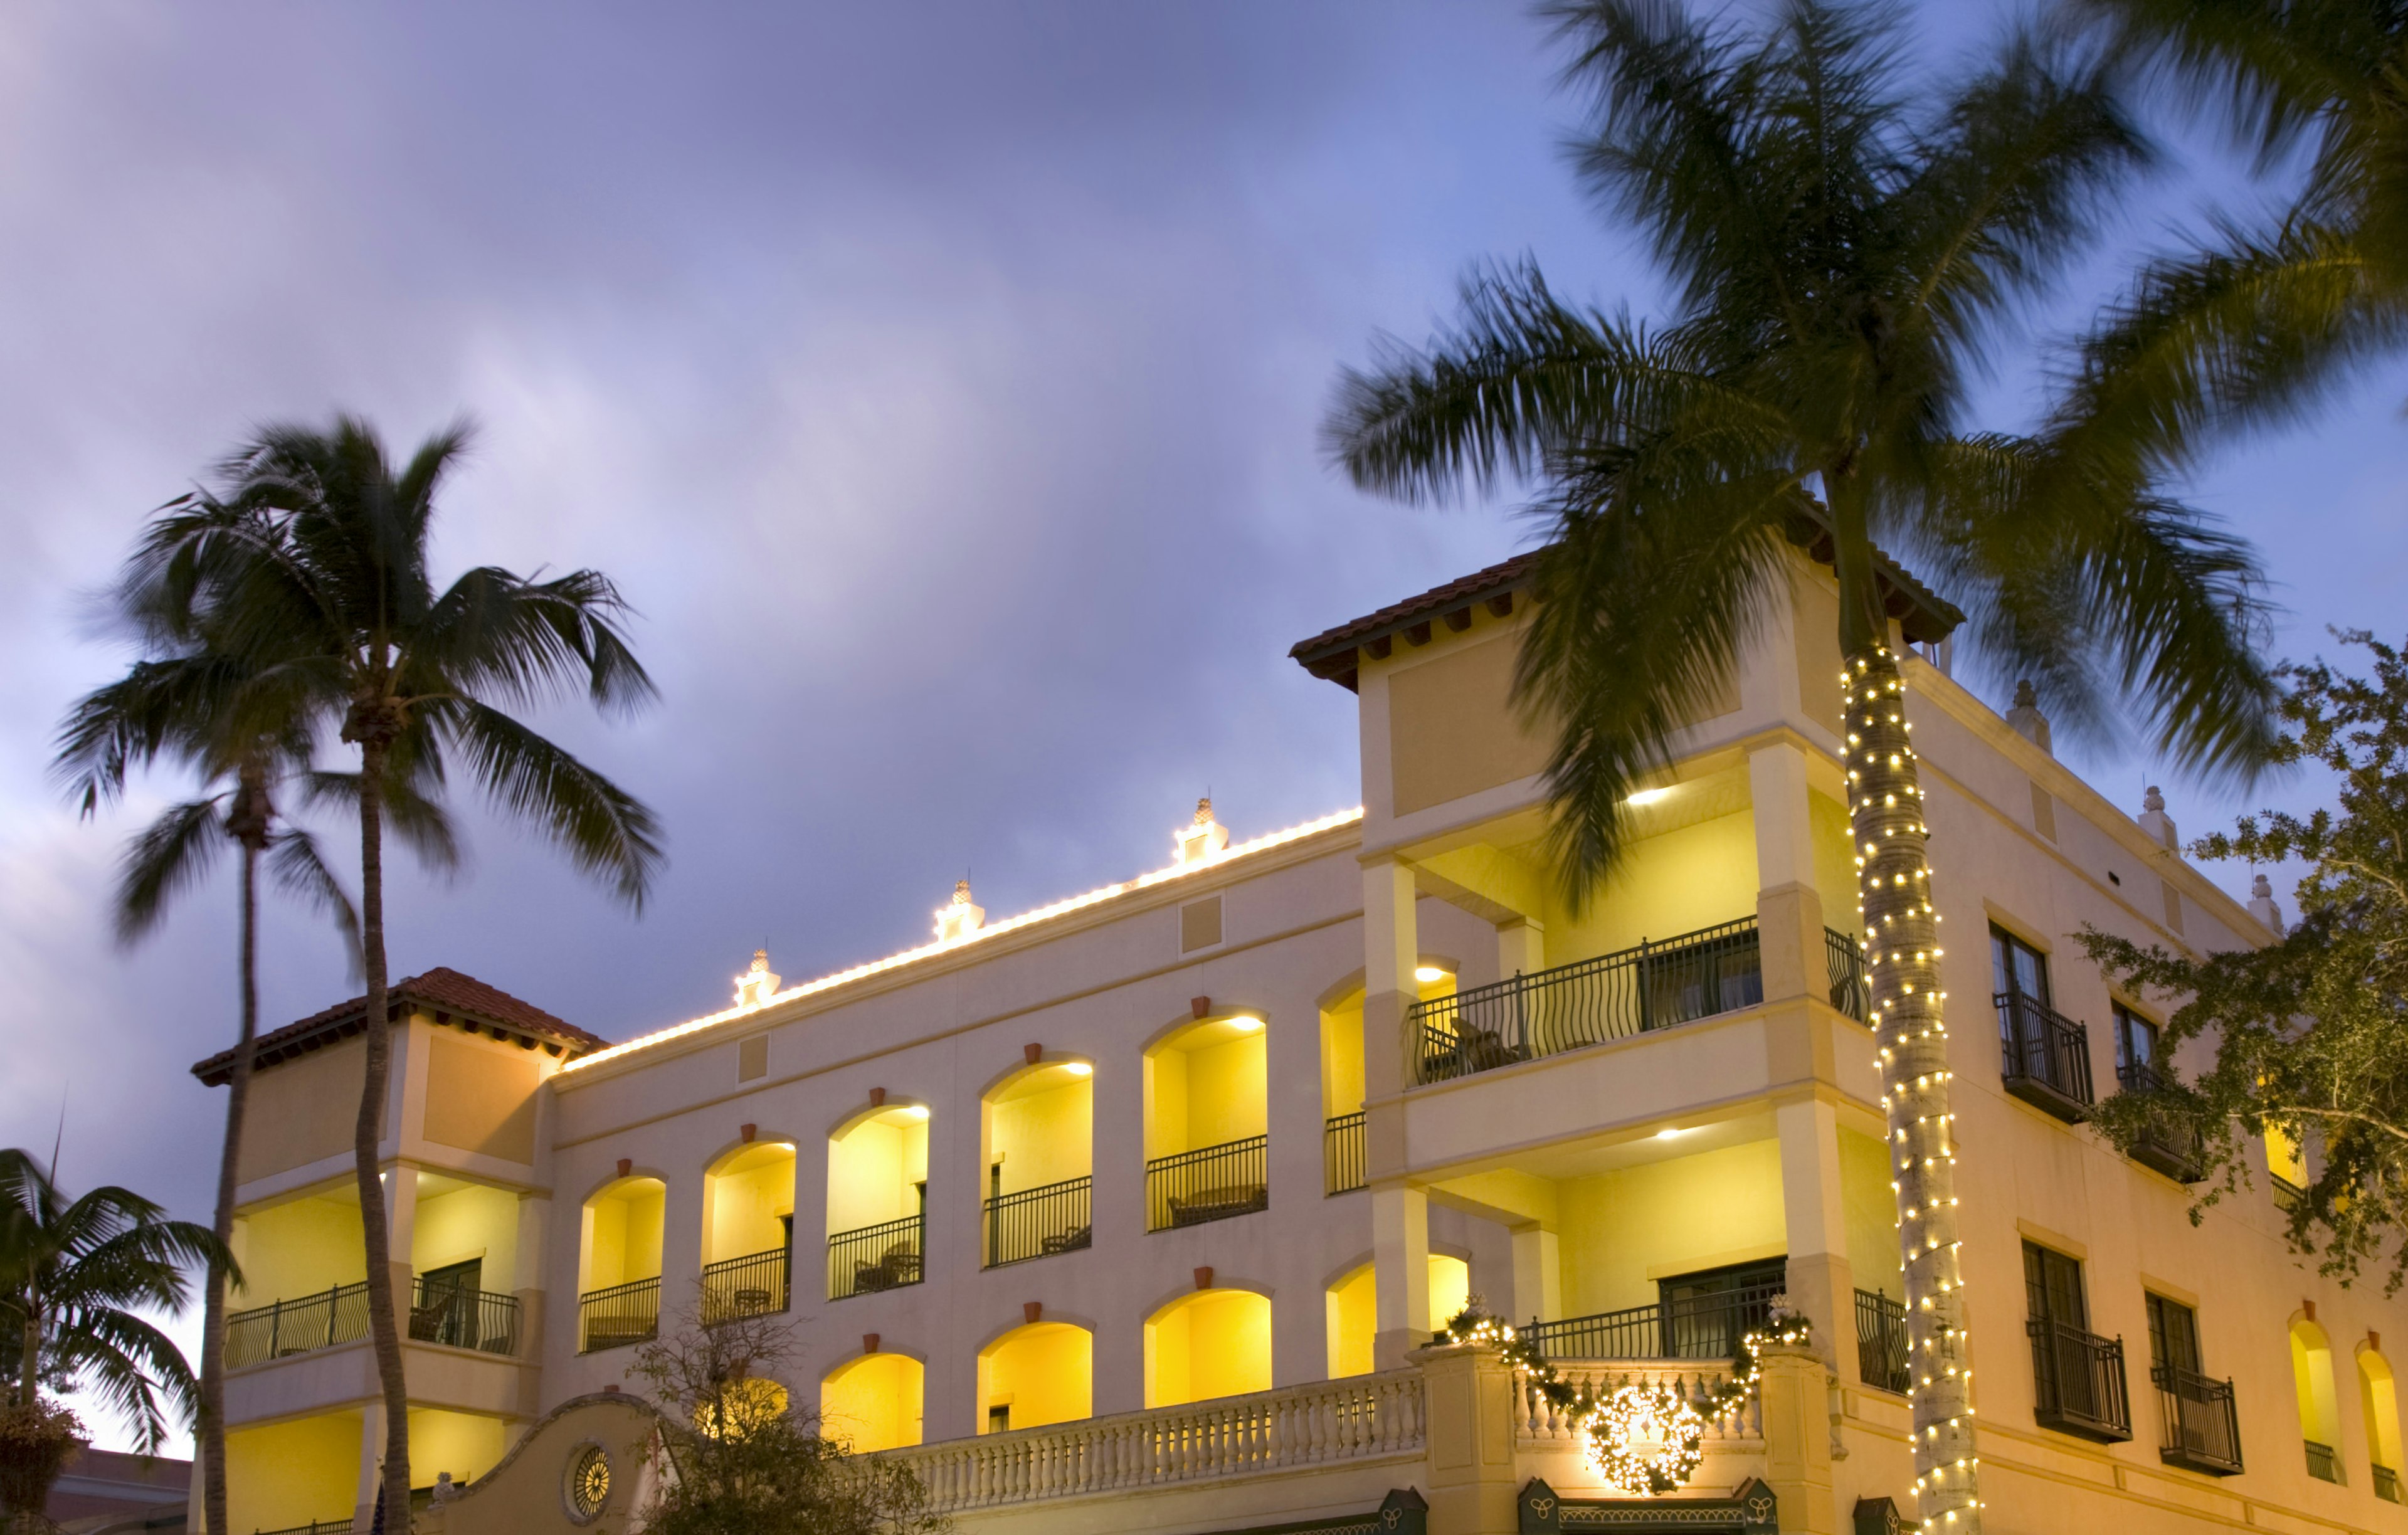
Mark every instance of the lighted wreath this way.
pixel 1644 1440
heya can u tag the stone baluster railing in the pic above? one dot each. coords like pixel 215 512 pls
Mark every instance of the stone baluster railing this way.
pixel 1541 1422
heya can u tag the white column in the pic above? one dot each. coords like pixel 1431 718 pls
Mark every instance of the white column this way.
pixel 401 1231
pixel 371 1464
pixel 1390 950
pixel 1400 1272
pixel 1521 948
pixel 1788 906
pixel 1814 1210
pixel 1537 1275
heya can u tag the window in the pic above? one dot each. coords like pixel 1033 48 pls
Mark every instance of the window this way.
pixel 2312 1377
pixel 2077 1376
pixel 2053 1288
pixel 2202 1428
pixel 2382 1407
pixel 1706 1314
pixel 2136 1044
pixel 2173 1335
pixel 2017 966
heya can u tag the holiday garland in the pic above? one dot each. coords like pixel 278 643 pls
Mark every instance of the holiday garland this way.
pixel 1642 1440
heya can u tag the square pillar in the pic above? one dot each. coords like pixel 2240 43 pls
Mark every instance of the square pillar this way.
pixel 1815 1211
pixel 371 1466
pixel 1400 1273
pixel 401 1235
pixel 1798 1439
pixel 535 1229
pixel 1789 906
pixel 1521 948
pixel 1472 1395
pixel 1390 950
pixel 1537 1275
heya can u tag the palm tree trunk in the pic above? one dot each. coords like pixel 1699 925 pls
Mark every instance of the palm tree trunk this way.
pixel 384 1329
pixel 213 1314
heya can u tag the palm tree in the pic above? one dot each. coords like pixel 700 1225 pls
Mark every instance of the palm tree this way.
pixel 73 1275
pixel 244 730
pixel 2256 329
pixel 314 560
pixel 1846 245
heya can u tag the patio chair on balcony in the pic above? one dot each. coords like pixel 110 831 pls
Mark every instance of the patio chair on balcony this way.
pixel 1067 1241
pixel 1473 1049
pixel 1218 1204
pixel 899 1266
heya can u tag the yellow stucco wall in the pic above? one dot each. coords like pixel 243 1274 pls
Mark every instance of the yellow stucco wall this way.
pixel 874 1403
pixel 1871 1211
pixel 1046 1372
pixel 297 1248
pixel 469 1222
pixel 467 1444
pixel 1341 1058
pixel 1677 882
pixel 480 1100
pixel 747 1196
pixel 303 1110
pixel 282 1474
pixel 1622 1230
pixel 622 1233
pixel 1045 1137
pixel 1350 1313
pixel 871 1171
pixel 1450 1288
pixel 1212 1344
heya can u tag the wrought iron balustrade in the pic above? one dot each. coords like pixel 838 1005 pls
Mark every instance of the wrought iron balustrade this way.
pixel 1883 1355
pixel 2202 1425
pixel 2323 1464
pixel 1844 960
pixel 2044 1056
pixel 459 1317
pixel 1697 1326
pixel 751 1285
pixel 618 1316
pixel 2289 1195
pixel 2078 1381
pixel 1613 997
pixel 1037 1223
pixel 1209 1184
pixel 338 1316
pixel 2166 1142
pixel 2386 1483
pixel 316 1527
pixel 885 1256
pixel 1342 1163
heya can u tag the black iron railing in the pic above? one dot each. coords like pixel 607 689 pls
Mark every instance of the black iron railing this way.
pixel 1209 1184
pixel 2078 1381
pixel 316 1527
pixel 2386 1483
pixel 2045 1056
pixel 459 1317
pixel 1882 1352
pixel 338 1315
pixel 1613 997
pixel 2323 1464
pixel 1342 1164
pixel 1845 960
pixel 1037 1223
pixel 1700 1327
pixel 751 1285
pixel 2202 1426
pixel 2289 1195
pixel 619 1315
pixel 2166 1142
pixel 885 1256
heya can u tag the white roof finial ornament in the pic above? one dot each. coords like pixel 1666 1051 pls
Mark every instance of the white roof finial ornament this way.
pixel 1202 840
pixel 2153 819
pixel 758 984
pixel 2262 904
pixel 959 917
pixel 2026 717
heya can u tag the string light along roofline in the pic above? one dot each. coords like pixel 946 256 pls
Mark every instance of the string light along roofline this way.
pixel 992 930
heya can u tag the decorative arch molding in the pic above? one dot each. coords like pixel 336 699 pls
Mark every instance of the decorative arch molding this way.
pixel 988 1344
pixel 1221 1285
pixel 731 1150
pixel 861 1114
pixel 634 1173
pixel 1047 1060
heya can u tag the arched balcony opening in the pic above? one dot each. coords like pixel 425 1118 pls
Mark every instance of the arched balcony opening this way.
pixel 1450 1288
pixel 1341 1077
pixel 2379 1396
pixel 878 1202
pixel 1207 1157
pixel 2312 1377
pixel 1212 1343
pixel 742 1409
pixel 1038 1141
pixel 748 1233
pixel 874 1402
pixel 1036 1374
pixel 619 1265
pixel 1350 1310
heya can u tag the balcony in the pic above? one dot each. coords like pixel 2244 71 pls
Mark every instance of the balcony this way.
pixel 619 1315
pixel 2078 1382
pixel 1343 1161
pixel 885 1256
pixel 2166 1144
pixel 1844 960
pixel 2323 1464
pixel 754 1285
pixel 2386 1483
pixel 456 1316
pixel 2202 1428
pixel 1883 1352
pixel 2289 1195
pixel 1705 1326
pixel 2046 1058
pixel 1209 1184
pixel 1613 997
pixel 340 1315
pixel 1039 1223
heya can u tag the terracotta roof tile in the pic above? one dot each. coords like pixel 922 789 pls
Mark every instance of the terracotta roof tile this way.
pixel 438 990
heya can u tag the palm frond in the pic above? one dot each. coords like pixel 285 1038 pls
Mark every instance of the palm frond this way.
pixel 494 635
pixel 166 859
pixel 605 831
pixel 299 869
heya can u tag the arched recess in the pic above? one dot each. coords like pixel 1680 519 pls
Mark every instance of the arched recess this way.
pixel 739 1410
pixel 1206 1344
pixel 1033 1375
pixel 2379 1396
pixel 748 1230
pixel 1036 1150
pixel 619 1263
pixel 1341 1042
pixel 2312 1377
pixel 1207 1114
pixel 1450 1288
pixel 878 1200
pixel 873 1402
pixel 1350 1313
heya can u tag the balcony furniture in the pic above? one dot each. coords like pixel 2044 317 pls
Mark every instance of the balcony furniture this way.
pixel 1342 1164
pixel 2078 1381
pixel 2323 1464
pixel 2202 1423
pixel 1881 1347
pixel 885 1256
pixel 751 1286
pixel 1042 1222
pixel 286 1327
pixel 1701 1327
pixel 1613 997
pixel 618 1316
pixel 1209 1184
pixel 2166 1144
pixel 2045 1056
pixel 456 1316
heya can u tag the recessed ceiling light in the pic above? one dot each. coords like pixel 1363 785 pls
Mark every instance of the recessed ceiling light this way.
pixel 1646 796
pixel 1245 1023
pixel 915 1111
pixel 1666 1135
pixel 1078 1068
pixel 1425 974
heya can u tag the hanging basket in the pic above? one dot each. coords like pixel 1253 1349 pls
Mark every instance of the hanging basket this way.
pixel 36 1444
